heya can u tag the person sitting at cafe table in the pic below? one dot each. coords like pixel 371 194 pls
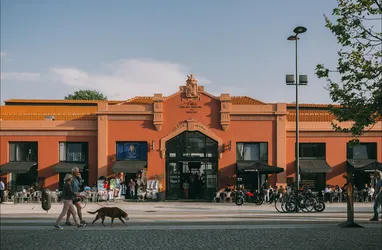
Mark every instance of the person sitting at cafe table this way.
pixel 282 191
pixel 223 195
pixel 328 191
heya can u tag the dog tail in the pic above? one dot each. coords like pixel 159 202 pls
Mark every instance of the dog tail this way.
pixel 93 212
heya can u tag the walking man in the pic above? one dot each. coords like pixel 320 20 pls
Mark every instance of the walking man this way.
pixel 378 194
pixel 68 196
pixel 76 183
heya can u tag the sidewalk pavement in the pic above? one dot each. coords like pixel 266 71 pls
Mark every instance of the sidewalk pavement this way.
pixel 169 208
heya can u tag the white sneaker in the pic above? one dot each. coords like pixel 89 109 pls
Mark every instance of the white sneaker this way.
pixel 58 227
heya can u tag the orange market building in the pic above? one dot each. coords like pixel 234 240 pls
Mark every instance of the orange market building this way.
pixel 190 131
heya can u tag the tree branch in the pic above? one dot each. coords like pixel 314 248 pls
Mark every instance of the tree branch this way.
pixel 378 4
pixel 370 34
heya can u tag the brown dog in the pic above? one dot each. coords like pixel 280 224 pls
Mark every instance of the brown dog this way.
pixel 112 212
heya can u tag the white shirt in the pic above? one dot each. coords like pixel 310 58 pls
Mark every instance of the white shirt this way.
pixel 2 186
pixel 328 190
pixel 371 191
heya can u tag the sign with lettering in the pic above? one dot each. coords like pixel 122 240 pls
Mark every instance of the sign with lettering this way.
pixel 190 106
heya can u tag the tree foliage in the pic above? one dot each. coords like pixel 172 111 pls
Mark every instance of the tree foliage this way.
pixel 359 92
pixel 86 95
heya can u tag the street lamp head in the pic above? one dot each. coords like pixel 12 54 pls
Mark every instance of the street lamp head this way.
pixel 299 30
pixel 289 79
pixel 292 38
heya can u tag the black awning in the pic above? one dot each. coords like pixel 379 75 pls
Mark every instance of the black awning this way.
pixel 66 167
pixel 314 166
pixel 255 166
pixel 358 164
pixel 365 165
pixel 16 167
pixel 130 167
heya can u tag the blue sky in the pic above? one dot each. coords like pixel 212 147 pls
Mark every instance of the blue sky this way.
pixel 128 48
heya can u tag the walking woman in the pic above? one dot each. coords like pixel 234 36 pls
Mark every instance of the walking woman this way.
pixel 68 196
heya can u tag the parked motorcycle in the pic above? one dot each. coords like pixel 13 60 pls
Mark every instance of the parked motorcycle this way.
pixel 250 197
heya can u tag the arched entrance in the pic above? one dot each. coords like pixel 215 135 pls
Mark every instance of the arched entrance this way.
pixel 193 157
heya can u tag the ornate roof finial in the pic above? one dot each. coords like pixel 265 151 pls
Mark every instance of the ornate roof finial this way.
pixel 191 87
pixel 191 79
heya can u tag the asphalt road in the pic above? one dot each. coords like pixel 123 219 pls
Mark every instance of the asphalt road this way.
pixel 22 233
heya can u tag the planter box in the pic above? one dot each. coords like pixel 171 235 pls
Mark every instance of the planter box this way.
pixel 161 196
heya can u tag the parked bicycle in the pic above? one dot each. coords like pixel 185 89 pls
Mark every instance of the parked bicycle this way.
pixel 297 201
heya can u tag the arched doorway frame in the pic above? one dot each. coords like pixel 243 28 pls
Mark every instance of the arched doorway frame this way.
pixel 190 125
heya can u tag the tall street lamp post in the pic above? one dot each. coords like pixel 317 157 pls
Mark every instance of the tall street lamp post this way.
pixel 300 80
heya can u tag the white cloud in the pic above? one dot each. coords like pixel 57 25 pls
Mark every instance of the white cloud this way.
pixel 20 76
pixel 5 57
pixel 128 78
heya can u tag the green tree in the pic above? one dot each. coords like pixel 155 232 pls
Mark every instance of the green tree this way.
pixel 359 90
pixel 86 95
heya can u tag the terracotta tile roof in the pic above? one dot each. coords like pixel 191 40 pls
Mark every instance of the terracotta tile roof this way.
pixel 139 100
pixel 236 100
pixel 65 113
pixel 311 105
pixel 245 100
pixel 311 116
pixel 52 101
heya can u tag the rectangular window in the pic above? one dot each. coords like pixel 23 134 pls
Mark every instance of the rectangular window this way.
pixel 363 151
pixel 73 151
pixel 132 151
pixel 23 151
pixel 312 151
pixel 248 151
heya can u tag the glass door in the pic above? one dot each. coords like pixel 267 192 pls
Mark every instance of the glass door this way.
pixel 191 156
pixel 210 179
pixel 173 181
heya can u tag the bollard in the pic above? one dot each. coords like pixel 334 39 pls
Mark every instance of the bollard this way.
pixel 46 200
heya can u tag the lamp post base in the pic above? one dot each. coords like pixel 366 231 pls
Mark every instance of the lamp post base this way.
pixel 349 224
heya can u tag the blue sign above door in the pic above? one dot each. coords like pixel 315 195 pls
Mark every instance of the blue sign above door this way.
pixel 131 151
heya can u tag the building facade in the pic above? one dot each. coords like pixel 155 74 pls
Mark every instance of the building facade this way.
pixel 189 133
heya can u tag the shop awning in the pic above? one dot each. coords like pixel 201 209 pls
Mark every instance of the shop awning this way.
pixel 365 165
pixel 255 166
pixel 130 167
pixel 66 167
pixel 314 166
pixel 16 167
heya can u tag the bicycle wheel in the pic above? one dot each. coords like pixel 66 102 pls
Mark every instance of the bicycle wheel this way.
pixel 309 204
pixel 279 205
pixel 283 205
pixel 319 206
pixel 290 206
